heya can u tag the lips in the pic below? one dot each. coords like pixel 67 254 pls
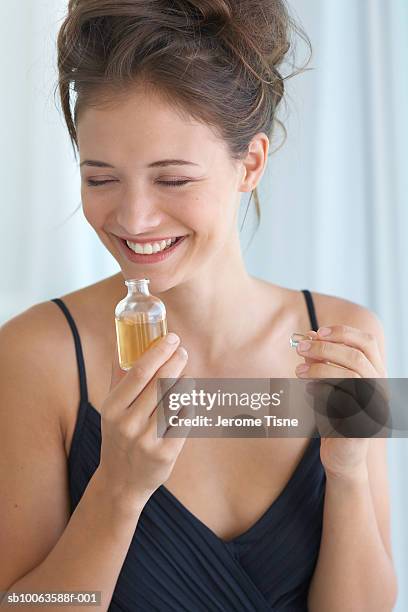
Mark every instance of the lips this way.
pixel 145 240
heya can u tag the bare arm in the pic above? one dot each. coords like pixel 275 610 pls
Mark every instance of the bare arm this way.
pixel 89 554
pixel 42 548
pixel 354 570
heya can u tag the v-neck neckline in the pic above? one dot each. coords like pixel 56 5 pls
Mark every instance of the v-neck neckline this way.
pixel 263 519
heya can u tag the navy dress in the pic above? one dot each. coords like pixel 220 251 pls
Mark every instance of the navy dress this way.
pixel 175 563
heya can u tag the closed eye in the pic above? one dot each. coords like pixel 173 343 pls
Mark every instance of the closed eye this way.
pixel 173 183
pixel 93 183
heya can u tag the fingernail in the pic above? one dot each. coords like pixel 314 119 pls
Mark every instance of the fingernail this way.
pixel 172 338
pixel 305 346
pixel 324 331
pixel 302 368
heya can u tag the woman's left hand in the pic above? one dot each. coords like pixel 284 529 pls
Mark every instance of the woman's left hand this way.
pixel 345 352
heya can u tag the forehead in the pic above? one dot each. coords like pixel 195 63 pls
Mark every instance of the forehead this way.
pixel 142 119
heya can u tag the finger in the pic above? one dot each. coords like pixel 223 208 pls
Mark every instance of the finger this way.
pixel 116 372
pixel 308 360
pixel 143 408
pixel 126 386
pixel 366 342
pixel 311 334
pixel 168 379
pixel 338 354
pixel 326 370
pixel 167 427
pixel 170 444
pixel 174 443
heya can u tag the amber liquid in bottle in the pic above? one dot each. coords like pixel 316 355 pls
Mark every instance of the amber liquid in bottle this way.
pixel 140 321
pixel 135 337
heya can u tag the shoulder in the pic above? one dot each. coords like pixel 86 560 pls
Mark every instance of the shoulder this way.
pixel 32 335
pixel 37 352
pixel 333 310
pixel 31 382
pixel 341 310
pixel 32 344
pixel 38 331
pixel 330 310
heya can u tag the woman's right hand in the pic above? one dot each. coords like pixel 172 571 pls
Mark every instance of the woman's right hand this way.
pixel 134 461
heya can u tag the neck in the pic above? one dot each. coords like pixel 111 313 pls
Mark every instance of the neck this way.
pixel 210 311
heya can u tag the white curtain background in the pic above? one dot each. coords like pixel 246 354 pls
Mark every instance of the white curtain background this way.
pixel 334 203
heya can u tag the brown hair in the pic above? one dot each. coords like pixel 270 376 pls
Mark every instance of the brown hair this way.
pixel 216 60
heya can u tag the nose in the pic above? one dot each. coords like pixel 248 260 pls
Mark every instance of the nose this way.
pixel 137 212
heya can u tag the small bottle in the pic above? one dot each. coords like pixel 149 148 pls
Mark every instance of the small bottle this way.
pixel 140 320
pixel 296 338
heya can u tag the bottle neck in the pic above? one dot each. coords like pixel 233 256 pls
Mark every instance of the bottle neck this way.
pixel 138 286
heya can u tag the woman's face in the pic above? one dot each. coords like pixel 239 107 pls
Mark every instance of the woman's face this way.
pixel 134 193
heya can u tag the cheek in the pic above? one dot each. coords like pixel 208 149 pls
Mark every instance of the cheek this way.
pixel 207 213
pixel 95 210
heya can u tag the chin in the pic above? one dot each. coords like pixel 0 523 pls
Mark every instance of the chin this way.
pixel 159 282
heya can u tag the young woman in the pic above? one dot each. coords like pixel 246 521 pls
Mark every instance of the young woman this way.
pixel 175 107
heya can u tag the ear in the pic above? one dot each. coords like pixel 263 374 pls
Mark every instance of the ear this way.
pixel 254 163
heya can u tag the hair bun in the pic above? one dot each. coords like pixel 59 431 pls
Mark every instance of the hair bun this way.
pixel 209 13
pixel 255 31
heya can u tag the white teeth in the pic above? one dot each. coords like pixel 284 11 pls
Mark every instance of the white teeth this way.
pixel 150 247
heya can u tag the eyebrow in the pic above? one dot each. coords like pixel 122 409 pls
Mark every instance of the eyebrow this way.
pixel 158 164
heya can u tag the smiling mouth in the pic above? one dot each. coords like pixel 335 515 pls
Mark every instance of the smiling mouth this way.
pixel 151 248
pixel 148 256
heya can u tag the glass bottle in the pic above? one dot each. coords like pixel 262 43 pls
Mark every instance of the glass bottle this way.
pixel 140 320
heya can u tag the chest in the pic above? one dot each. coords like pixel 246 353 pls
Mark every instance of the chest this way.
pixel 229 483
pixel 226 483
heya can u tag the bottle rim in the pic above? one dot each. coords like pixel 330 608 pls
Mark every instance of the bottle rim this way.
pixel 137 281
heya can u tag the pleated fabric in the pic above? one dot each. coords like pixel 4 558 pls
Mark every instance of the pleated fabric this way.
pixel 175 563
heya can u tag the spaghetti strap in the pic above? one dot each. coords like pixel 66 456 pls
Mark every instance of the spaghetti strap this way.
pixel 311 309
pixel 315 326
pixel 78 350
